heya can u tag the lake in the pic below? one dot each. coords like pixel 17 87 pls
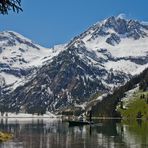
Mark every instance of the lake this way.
pixel 53 133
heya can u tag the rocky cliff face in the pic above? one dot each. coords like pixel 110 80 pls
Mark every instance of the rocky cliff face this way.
pixel 105 56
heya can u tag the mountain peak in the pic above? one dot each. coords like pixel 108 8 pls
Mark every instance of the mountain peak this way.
pixel 113 30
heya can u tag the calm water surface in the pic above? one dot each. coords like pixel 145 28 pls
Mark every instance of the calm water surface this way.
pixel 39 133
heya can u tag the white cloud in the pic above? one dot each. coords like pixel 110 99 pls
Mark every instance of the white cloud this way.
pixel 122 16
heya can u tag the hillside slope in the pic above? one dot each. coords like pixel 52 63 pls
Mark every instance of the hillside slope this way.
pixel 127 101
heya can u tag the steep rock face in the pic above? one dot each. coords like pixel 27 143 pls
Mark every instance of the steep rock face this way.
pixel 105 56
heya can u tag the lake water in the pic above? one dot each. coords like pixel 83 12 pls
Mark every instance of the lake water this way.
pixel 39 133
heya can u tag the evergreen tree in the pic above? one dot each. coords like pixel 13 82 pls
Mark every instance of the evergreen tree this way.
pixel 7 5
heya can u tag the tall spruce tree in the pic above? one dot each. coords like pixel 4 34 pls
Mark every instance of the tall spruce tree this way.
pixel 8 5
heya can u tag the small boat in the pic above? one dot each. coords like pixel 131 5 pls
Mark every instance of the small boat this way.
pixel 82 122
pixel 79 123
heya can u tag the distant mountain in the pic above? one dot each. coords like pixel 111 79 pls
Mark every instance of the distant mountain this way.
pixel 19 57
pixel 105 56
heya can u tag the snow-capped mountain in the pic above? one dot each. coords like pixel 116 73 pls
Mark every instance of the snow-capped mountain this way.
pixel 19 57
pixel 105 56
pixel 117 43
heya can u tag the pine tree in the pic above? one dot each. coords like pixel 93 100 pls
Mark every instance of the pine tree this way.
pixel 7 5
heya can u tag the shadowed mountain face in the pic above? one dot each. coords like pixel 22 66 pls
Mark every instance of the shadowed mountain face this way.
pixel 105 56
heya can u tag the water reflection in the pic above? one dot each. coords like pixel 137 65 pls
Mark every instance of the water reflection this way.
pixel 134 133
pixel 57 134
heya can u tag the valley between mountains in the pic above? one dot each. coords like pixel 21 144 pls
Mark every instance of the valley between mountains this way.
pixel 97 69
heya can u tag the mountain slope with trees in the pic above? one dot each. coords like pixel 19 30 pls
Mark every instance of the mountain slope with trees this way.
pixel 108 106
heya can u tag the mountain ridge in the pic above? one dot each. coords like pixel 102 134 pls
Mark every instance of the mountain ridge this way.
pixel 103 57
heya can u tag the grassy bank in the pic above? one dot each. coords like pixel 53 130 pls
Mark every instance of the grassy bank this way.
pixel 5 136
pixel 137 107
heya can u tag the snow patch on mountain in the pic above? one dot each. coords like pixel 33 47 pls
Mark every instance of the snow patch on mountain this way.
pixel 10 79
pixel 125 66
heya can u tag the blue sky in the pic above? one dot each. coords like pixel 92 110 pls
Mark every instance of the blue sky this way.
pixel 50 22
